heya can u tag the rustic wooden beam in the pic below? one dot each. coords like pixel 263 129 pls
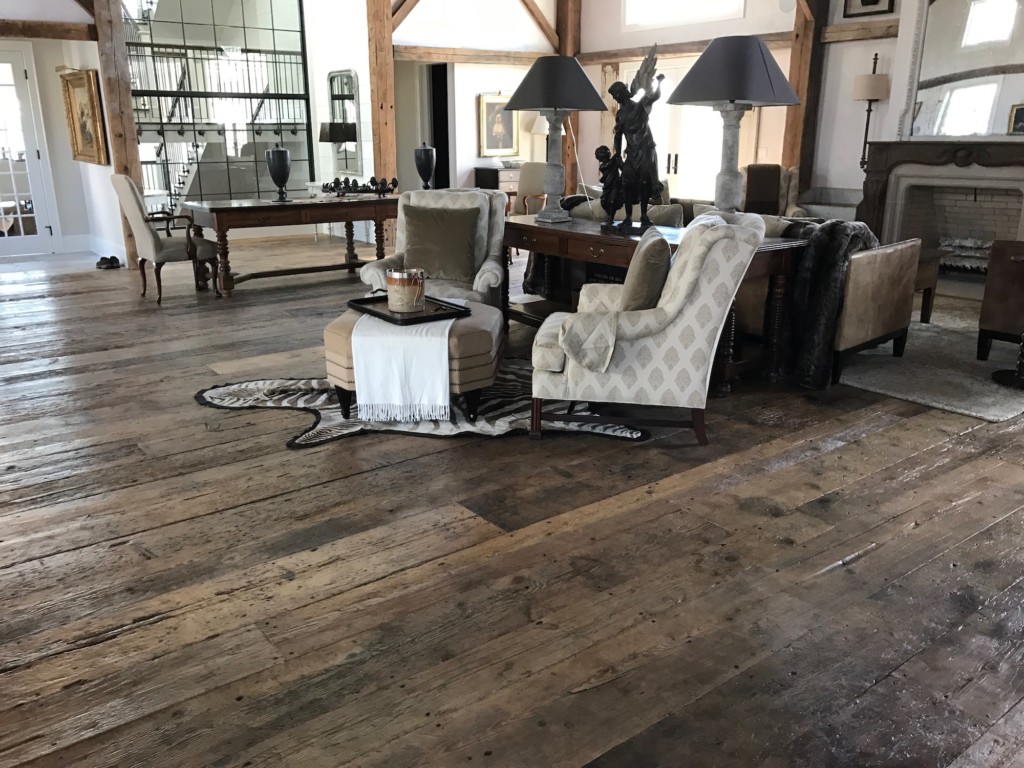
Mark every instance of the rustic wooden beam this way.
pixel 865 30
pixel 48 30
pixel 670 50
pixel 88 6
pixel 115 77
pixel 971 74
pixel 403 9
pixel 805 76
pixel 568 26
pixel 542 22
pixel 382 95
pixel 805 9
pixel 464 55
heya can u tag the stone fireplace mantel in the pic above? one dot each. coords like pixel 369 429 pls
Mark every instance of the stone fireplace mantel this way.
pixel 884 156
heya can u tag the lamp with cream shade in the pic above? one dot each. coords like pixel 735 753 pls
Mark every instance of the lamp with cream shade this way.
pixel 870 88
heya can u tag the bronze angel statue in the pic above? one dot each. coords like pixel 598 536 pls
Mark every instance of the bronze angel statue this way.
pixel 639 180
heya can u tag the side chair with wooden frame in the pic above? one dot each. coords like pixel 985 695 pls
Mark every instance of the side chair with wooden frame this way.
pixel 159 250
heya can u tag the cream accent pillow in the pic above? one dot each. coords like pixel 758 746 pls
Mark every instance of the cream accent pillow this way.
pixel 440 241
pixel 647 272
pixel 774 226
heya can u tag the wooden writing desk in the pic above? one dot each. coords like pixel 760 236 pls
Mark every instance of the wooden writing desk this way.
pixel 583 240
pixel 223 215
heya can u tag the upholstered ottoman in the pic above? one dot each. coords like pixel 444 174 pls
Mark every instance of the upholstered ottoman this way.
pixel 475 348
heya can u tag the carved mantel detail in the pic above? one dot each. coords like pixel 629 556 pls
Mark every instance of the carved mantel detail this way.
pixel 883 156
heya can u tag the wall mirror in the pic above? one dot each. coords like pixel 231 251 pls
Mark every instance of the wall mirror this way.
pixel 970 59
pixel 970 64
pixel 343 132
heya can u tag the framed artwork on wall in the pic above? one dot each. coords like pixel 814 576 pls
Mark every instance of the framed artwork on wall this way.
pixel 1016 120
pixel 84 115
pixel 854 8
pixel 498 128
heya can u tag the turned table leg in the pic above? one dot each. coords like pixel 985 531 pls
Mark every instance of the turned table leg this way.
pixel 227 282
pixel 775 319
pixel 504 287
pixel 378 234
pixel 350 238
pixel 725 352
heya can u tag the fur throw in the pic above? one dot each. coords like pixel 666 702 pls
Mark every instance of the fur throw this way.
pixel 816 298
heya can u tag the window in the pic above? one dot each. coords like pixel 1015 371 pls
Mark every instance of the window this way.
pixel 990 21
pixel 967 111
pixel 646 13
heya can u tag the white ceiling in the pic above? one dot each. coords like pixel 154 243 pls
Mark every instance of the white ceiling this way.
pixel 44 10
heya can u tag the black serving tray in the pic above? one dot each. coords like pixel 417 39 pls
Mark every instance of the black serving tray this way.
pixel 433 309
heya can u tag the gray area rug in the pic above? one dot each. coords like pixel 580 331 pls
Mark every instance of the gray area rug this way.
pixel 504 408
pixel 940 369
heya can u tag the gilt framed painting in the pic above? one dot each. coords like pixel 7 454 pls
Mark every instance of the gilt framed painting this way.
pixel 855 8
pixel 499 128
pixel 1016 127
pixel 85 116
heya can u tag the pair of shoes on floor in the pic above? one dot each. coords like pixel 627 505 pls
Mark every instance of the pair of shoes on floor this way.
pixel 108 262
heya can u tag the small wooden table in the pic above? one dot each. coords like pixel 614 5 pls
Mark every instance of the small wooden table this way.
pixel 223 215
pixel 583 240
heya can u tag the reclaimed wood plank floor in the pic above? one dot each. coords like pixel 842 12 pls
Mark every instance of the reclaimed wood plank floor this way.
pixel 835 581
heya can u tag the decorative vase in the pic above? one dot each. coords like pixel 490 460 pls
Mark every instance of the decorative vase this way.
pixel 279 163
pixel 425 159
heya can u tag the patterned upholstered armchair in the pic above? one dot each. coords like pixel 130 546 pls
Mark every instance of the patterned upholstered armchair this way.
pixel 479 275
pixel 657 356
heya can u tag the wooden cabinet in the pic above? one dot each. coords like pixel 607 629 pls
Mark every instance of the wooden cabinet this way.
pixel 505 179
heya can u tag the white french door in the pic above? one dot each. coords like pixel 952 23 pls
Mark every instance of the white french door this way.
pixel 24 219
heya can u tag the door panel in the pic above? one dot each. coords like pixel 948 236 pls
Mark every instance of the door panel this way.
pixel 23 220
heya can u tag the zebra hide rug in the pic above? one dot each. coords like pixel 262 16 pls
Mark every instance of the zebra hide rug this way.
pixel 504 408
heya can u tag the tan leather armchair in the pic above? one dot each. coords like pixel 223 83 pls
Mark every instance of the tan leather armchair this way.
pixel 877 302
pixel 878 298
pixel 1002 310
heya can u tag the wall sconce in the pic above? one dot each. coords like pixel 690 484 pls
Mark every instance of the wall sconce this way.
pixel 870 88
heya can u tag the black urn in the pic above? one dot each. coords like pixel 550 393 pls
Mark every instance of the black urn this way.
pixel 425 159
pixel 279 163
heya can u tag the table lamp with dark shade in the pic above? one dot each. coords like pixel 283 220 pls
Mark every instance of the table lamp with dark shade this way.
pixel 733 75
pixel 555 86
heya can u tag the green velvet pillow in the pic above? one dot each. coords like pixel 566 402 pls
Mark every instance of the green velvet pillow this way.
pixel 647 272
pixel 440 241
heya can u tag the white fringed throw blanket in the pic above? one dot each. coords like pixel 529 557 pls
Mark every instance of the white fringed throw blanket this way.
pixel 401 370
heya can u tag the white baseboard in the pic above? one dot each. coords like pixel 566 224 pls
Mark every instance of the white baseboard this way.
pixel 103 247
pixel 76 244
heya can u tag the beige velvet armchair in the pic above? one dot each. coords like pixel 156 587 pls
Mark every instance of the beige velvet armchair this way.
pixel 657 356
pixel 487 251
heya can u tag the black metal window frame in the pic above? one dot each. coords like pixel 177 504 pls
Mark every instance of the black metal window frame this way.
pixel 191 96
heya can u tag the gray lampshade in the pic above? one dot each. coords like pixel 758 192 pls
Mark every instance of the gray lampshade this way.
pixel 739 69
pixel 556 82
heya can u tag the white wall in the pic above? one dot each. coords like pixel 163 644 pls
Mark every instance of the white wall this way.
pixel 87 208
pixel 602 28
pixel 44 10
pixel 500 25
pixel 469 81
pixel 840 118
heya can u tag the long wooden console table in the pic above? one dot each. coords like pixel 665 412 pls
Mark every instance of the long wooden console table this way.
pixel 583 240
pixel 224 215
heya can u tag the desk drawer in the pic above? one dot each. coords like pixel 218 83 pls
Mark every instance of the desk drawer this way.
pixel 541 242
pixel 601 253
pixel 511 174
pixel 508 186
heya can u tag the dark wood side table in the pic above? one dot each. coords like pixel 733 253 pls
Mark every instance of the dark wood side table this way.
pixel 583 240
pixel 224 215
